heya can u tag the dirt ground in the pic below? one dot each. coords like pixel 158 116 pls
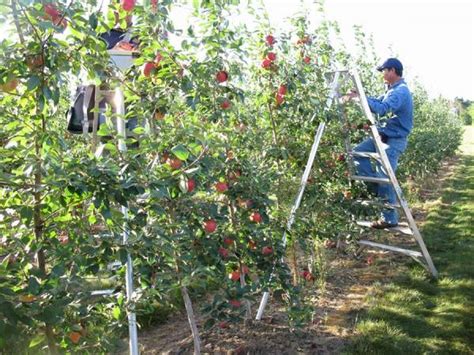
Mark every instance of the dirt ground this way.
pixel 349 284
pixel 337 309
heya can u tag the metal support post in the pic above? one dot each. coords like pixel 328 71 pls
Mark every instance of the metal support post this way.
pixel 132 321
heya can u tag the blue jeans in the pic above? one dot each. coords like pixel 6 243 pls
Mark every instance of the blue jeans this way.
pixel 394 148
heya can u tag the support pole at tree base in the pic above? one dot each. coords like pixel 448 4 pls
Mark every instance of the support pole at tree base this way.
pixel 122 147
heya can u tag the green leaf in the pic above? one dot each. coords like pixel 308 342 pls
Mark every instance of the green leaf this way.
pixel 37 340
pixel 26 213
pixel 116 313
pixel 180 152
pixel 93 21
pixel 139 130
pixel 33 285
pixel 47 92
pixel 103 131
pixel 33 82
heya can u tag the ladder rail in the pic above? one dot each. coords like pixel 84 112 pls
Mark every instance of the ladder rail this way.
pixel 304 179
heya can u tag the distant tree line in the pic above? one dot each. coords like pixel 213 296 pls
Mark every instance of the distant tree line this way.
pixel 464 109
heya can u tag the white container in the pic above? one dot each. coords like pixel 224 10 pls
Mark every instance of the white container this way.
pixel 122 59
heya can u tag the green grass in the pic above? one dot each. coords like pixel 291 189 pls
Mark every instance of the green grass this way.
pixel 415 314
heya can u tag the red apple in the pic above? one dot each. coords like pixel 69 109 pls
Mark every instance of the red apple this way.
pixel 75 337
pixel 52 11
pixel 234 276
pixel 282 89
pixel 223 252
pixel 210 226
pixel 52 14
pixel 223 325
pixel 256 217
pixel 127 5
pixel 270 40
pixel 225 105
pixel 191 184
pixel 235 303
pixel 307 59
pixel 222 187
pixel 228 241
pixel 222 76
pixel 341 157
pixel 147 69
pixel 267 250
pixel 175 163
pixel 279 99
pixel 245 269
pixel 266 63
pixel 307 275
pixel 164 157
pixel 272 56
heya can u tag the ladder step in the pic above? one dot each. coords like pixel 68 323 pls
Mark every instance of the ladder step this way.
pixel 114 266
pixel 412 253
pixel 371 155
pixel 401 228
pixel 108 292
pixel 377 203
pixel 371 179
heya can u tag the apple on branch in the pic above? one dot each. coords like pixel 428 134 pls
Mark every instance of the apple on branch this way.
pixel 234 276
pixel 191 184
pixel 222 76
pixel 210 226
pixel 225 105
pixel 256 217
pixel 223 252
pixel 270 40
pixel 127 5
pixel 222 187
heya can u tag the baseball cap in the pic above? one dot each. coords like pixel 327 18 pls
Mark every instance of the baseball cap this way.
pixel 391 63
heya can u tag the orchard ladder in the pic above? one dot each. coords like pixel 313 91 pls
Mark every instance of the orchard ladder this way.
pixel 409 228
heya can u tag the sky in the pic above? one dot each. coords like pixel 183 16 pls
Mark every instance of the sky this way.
pixel 434 39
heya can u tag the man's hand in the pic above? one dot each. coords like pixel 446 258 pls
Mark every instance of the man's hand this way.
pixel 352 94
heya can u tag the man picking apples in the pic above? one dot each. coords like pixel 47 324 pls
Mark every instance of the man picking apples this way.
pixel 393 133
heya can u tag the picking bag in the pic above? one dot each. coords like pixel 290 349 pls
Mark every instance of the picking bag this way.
pixel 81 116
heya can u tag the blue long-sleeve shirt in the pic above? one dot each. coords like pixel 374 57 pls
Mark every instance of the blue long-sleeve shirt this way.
pixel 399 102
